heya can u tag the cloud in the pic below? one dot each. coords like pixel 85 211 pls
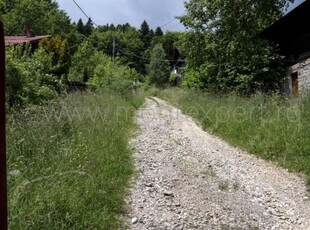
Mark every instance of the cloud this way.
pixel 155 12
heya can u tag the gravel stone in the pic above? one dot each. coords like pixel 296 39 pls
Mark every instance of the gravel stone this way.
pixel 180 169
pixel 134 220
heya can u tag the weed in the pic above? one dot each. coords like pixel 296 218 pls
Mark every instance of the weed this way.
pixel 236 185
pixel 269 126
pixel 176 141
pixel 209 172
pixel 69 164
pixel 223 185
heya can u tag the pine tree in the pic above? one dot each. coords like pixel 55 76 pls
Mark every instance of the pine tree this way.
pixel 88 28
pixel 80 26
pixel 145 34
pixel 144 29
pixel 158 32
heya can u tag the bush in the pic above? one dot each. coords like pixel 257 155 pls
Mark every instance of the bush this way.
pixel 60 55
pixel 116 77
pixel 28 80
pixel 192 79
pixel 84 63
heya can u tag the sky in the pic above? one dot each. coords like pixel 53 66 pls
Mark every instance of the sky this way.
pixel 296 3
pixel 156 12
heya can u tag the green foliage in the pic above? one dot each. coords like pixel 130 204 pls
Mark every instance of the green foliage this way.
pixel 224 45
pixel 69 164
pixel 116 77
pixel 86 29
pixel 158 68
pixel 80 26
pixel 193 79
pixel 128 46
pixel 60 52
pixel 42 16
pixel 270 126
pixel 169 41
pixel 3 9
pixel 158 32
pixel 83 63
pixel 27 77
pixel 146 34
pixel 173 76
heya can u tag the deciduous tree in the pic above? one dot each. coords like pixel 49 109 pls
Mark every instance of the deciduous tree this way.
pixel 232 56
pixel 42 16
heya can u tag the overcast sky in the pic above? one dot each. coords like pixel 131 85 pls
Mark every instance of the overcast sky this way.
pixel 155 12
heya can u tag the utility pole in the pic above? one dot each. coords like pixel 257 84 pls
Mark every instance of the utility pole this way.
pixel 113 57
pixel 3 180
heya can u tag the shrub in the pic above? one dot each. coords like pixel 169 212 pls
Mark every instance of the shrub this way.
pixel 116 77
pixel 28 80
pixel 84 62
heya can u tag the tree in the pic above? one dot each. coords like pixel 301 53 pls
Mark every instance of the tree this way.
pixel 144 29
pixel 88 28
pixel 231 55
pixel 158 68
pixel 42 16
pixel 28 78
pixel 146 34
pixel 158 32
pixel 80 26
pixel 169 42
pixel 82 68
pixel 60 52
pixel 10 4
pixel 128 44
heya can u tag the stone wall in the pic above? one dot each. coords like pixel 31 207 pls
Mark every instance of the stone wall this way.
pixel 302 68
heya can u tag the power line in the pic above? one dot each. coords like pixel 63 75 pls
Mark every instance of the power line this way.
pixel 168 23
pixel 140 57
pixel 84 12
pixel 174 25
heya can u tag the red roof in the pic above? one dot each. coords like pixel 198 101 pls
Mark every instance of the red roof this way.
pixel 15 40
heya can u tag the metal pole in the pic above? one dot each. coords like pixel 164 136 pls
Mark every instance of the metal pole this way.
pixel 3 180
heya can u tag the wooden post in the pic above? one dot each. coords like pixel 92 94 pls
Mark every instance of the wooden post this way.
pixel 3 180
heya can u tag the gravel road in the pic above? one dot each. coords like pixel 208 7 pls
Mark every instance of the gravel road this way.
pixel 189 179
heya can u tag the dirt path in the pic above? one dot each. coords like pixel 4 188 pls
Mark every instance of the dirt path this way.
pixel 189 179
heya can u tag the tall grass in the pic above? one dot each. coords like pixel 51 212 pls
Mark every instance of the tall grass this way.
pixel 270 126
pixel 69 164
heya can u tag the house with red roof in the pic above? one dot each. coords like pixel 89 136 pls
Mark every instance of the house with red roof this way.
pixel 30 38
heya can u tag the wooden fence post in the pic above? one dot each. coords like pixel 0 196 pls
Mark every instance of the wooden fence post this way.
pixel 3 179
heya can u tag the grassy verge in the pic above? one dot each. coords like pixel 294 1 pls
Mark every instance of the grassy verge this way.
pixel 268 126
pixel 69 164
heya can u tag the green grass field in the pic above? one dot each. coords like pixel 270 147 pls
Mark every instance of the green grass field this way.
pixel 269 126
pixel 69 164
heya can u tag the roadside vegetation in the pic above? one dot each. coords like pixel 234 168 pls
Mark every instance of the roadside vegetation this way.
pixel 69 163
pixel 269 126
pixel 68 157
